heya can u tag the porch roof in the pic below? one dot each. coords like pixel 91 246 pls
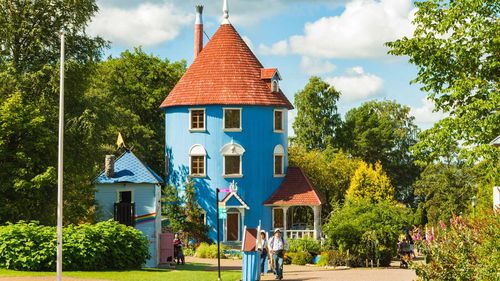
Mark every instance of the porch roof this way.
pixel 295 190
pixel 232 199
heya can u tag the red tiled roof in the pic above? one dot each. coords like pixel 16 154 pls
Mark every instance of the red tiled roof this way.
pixel 226 72
pixel 267 73
pixel 295 190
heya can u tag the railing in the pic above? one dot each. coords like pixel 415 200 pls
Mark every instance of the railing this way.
pixel 299 234
pixel 125 213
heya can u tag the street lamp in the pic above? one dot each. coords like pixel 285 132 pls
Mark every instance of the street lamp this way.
pixel 474 201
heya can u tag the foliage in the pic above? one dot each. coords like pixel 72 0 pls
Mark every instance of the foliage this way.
pixel 304 245
pixel 370 183
pixel 384 131
pixel 173 208
pixel 455 48
pixel 106 245
pixel 334 258
pixel 300 258
pixel 464 250
pixel 206 251
pixel 445 190
pixel 330 172
pixel 368 230
pixel 317 118
pixel 29 32
pixel 194 225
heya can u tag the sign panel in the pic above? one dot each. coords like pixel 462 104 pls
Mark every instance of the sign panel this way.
pixel 222 213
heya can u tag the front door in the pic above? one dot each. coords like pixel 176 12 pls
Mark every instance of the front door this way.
pixel 232 226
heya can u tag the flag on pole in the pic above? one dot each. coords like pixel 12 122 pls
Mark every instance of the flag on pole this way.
pixel 119 141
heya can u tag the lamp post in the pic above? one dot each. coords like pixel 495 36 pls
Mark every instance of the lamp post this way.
pixel 473 201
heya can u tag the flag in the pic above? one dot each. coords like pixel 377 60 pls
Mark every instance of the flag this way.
pixel 119 141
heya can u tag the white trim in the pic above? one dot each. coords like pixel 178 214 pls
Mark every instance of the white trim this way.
pixel 279 151
pixel 198 150
pixel 282 121
pixel 204 120
pixel 232 149
pixel 224 119
pixel 125 189
pixel 234 194
pixel 273 83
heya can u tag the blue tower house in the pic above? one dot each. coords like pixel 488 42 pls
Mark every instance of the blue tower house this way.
pixel 226 127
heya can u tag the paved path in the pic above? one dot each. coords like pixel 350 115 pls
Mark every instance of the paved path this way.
pixel 310 273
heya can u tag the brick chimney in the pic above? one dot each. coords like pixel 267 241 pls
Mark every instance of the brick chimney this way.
pixel 198 31
pixel 109 166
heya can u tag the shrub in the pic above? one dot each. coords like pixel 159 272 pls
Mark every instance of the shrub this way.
pixel 464 250
pixel 368 230
pixel 103 246
pixel 307 244
pixel 300 258
pixel 189 251
pixel 206 251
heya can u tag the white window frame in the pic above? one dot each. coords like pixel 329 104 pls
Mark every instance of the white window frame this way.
pixel 273 83
pixel 191 129
pixel 193 152
pixel 282 120
pixel 224 119
pixel 132 195
pixel 279 151
pixel 232 149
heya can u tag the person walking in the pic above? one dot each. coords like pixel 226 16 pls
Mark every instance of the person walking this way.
pixel 277 247
pixel 262 247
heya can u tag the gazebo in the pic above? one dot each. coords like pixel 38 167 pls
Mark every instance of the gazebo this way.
pixel 290 204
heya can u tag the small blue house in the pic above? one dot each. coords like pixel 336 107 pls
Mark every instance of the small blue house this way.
pixel 128 191
pixel 226 127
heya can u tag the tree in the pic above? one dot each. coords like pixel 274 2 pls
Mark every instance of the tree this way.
pixel 195 226
pixel 384 131
pixel 29 32
pixel 330 172
pixel 370 183
pixel 128 91
pixel 455 47
pixel 317 118
pixel 173 208
pixel 445 190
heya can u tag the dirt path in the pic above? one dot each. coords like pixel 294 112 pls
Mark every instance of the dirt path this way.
pixel 309 273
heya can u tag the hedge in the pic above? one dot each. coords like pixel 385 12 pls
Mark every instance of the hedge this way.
pixel 108 245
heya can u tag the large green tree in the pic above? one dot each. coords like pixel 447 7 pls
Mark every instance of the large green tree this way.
pixel 317 118
pixel 456 49
pixel 445 190
pixel 370 183
pixel 384 131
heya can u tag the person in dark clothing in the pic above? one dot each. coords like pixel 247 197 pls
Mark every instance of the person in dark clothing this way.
pixel 262 247
pixel 178 253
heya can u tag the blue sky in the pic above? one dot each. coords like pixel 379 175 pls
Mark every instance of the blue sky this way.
pixel 341 41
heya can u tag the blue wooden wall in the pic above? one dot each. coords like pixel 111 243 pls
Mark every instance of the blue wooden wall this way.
pixel 257 138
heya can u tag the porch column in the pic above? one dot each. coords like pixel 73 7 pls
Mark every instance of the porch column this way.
pixel 285 209
pixel 240 231
pixel 317 221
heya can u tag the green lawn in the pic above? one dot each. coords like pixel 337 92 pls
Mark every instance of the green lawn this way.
pixel 188 272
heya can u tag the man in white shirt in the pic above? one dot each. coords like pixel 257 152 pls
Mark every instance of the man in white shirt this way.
pixel 277 247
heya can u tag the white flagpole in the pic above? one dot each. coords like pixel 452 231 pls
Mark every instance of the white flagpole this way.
pixel 60 162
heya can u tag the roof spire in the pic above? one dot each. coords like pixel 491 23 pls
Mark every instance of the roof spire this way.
pixel 225 10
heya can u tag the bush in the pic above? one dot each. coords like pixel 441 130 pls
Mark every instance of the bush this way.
pixel 368 230
pixel 464 250
pixel 300 258
pixel 103 246
pixel 305 245
pixel 206 251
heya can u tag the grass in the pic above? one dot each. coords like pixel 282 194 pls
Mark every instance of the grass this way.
pixel 188 272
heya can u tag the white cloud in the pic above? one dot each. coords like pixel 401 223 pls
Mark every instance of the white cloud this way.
pixel 147 24
pixel 279 48
pixel 425 115
pixel 316 66
pixel 357 85
pixel 359 32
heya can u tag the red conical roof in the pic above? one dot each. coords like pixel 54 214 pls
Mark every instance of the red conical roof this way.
pixel 226 72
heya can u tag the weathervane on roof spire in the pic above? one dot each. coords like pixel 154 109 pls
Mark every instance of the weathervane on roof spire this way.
pixel 225 10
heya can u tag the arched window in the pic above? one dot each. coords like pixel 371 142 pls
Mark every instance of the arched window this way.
pixel 197 156
pixel 279 159
pixel 275 86
pixel 232 153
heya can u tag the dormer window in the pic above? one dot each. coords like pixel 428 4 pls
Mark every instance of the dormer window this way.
pixel 275 86
pixel 232 119
pixel 197 119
